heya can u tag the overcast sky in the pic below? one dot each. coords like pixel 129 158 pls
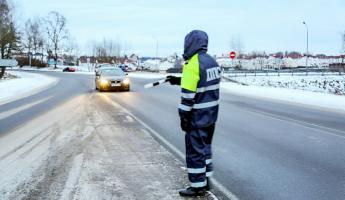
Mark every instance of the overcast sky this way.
pixel 263 25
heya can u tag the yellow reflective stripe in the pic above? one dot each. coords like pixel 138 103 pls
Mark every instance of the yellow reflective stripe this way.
pixel 190 75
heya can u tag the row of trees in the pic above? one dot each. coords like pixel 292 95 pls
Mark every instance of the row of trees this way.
pixel 108 50
pixel 39 36
pixel 48 34
pixel 237 45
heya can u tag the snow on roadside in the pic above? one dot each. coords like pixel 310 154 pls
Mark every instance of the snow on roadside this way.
pixel 333 84
pixel 309 98
pixel 59 70
pixel 8 76
pixel 44 69
pixel 84 70
pixel 320 100
pixel 27 84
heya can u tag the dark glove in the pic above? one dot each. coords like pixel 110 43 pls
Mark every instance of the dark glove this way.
pixel 174 80
pixel 185 124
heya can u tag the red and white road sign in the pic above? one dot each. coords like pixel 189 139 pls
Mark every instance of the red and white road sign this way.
pixel 232 55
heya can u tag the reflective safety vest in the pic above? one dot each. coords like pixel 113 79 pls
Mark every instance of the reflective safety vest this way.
pixel 200 90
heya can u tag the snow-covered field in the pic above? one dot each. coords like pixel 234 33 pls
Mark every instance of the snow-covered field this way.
pixel 314 99
pixel 8 76
pixel 25 85
pixel 28 68
pixel 333 84
pixel 79 69
pixel 272 62
pixel 307 98
pixel 158 65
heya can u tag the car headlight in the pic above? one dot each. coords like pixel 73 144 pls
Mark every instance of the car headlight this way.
pixel 126 81
pixel 104 81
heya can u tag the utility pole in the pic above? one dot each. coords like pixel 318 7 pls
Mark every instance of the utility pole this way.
pixel 156 58
pixel 30 55
pixel 306 61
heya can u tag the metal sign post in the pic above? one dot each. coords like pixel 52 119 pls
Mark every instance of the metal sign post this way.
pixel 232 55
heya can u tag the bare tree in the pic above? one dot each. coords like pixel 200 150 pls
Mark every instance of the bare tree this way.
pixel 28 38
pixel 113 48
pixel 118 49
pixel 72 50
pixel 33 40
pixel 126 48
pixel 56 32
pixel 33 35
pixel 107 50
pixel 109 46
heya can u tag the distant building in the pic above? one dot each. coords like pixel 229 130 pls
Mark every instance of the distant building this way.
pixel 134 58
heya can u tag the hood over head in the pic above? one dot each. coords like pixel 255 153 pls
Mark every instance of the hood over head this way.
pixel 194 42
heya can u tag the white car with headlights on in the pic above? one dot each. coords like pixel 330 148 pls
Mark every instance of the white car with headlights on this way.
pixel 112 78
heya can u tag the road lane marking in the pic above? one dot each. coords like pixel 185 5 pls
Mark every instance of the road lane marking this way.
pixel 22 108
pixel 323 129
pixel 217 184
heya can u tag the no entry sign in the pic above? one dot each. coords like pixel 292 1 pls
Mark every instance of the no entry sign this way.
pixel 232 55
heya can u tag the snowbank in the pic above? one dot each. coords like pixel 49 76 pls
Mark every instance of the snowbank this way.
pixel 158 65
pixel 321 100
pixel 79 69
pixel 27 84
pixel 272 62
pixel 333 84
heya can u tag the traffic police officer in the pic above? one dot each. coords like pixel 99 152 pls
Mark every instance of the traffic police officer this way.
pixel 198 110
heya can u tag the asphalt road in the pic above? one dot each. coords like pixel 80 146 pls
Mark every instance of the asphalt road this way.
pixel 262 149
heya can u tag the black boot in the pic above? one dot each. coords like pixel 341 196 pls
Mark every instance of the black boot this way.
pixel 208 187
pixel 193 192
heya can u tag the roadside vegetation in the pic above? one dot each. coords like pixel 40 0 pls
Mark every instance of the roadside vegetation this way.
pixel 42 41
